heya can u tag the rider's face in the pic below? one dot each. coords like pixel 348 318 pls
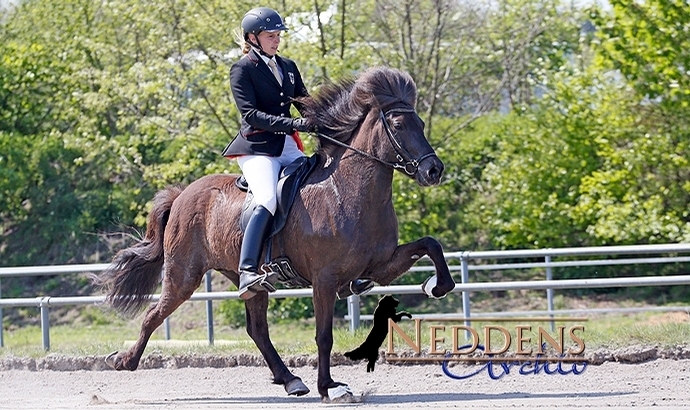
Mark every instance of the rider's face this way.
pixel 269 41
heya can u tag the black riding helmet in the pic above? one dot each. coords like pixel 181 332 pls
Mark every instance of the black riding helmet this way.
pixel 261 19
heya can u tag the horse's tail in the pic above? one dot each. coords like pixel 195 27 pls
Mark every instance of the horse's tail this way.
pixel 135 272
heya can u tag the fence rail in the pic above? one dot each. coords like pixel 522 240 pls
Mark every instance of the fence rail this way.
pixel 465 287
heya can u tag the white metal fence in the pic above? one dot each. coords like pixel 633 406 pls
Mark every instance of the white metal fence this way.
pixel 673 254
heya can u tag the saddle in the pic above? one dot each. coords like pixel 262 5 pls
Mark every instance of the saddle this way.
pixel 291 178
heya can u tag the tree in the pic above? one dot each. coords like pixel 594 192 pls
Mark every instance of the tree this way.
pixel 602 158
pixel 640 194
pixel 470 61
pixel 112 103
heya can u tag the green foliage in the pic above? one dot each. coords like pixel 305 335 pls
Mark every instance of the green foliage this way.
pixel 593 161
pixel 101 110
pixel 649 43
pixel 640 193
pixel 290 309
pixel 232 312
pixel 479 70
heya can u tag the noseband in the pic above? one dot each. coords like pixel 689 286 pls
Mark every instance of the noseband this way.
pixel 405 161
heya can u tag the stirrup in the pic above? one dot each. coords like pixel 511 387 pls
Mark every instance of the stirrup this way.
pixel 262 283
pixel 360 287
pixel 357 287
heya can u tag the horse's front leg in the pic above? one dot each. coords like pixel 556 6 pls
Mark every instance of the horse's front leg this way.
pixel 257 328
pixel 324 303
pixel 406 255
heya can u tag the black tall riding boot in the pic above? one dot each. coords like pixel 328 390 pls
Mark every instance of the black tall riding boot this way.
pixel 251 281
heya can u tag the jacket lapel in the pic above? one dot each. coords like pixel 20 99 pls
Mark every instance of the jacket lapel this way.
pixel 264 69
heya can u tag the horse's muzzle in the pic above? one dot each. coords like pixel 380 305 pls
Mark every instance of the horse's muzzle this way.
pixel 429 171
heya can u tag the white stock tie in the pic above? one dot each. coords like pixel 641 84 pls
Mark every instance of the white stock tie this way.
pixel 274 68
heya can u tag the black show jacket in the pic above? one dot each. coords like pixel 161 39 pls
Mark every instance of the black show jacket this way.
pixel 264 105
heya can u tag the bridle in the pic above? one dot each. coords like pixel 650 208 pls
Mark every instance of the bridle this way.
pixel 405 161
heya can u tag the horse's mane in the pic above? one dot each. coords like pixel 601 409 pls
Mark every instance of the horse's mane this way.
pixel 339 108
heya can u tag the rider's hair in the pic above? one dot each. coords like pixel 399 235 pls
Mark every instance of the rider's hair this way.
pixel 239 39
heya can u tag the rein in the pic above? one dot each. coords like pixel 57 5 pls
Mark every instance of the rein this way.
pixel 405 161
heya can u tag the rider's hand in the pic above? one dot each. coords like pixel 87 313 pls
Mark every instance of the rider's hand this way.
pixel 303 125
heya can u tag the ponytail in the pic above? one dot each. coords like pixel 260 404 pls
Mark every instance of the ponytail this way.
pixel 239 39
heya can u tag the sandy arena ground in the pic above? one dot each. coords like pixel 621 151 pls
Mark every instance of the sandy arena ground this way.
pixel 657 384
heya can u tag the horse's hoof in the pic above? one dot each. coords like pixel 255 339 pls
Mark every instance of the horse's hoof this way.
pixel 110 360
pixel 437 293
pixel 340 394
pixel 296 387
pixel 428 285
pixel 430 288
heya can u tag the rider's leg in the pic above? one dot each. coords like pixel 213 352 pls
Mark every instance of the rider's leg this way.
pixel 261 173
pixel 290 152
pixel 251 281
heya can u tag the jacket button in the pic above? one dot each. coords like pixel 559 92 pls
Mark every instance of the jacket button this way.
pixel 281 94
pixel 282 115
pixel 282 104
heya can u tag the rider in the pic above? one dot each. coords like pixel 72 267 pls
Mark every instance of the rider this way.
pixel 268 137
pixel 264 86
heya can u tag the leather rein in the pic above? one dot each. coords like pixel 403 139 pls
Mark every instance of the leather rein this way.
pixel 405 161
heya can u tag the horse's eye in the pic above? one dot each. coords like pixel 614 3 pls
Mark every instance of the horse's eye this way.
pixel 397 125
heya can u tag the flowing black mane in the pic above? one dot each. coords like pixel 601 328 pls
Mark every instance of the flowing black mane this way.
pixel 339 108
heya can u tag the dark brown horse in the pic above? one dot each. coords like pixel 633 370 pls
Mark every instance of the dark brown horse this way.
pixel 342 225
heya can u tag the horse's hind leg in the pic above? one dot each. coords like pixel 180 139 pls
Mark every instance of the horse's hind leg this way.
pixel 406 255
pixel 172 296
pixel 257 328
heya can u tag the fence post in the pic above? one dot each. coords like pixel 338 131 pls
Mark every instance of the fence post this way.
pixel 549 292
pixel 166 321
pixel 209 310
pixel 166 327
pixel 353 311
pixel 45 322
pixel 2 341
pixel 464 265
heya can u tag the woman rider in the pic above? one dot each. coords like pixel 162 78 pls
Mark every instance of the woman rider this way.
pixel 264 86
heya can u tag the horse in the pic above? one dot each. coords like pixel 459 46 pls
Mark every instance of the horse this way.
pixel 342 225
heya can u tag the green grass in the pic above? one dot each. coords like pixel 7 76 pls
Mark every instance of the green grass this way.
pixel 297 338
pixel 643 328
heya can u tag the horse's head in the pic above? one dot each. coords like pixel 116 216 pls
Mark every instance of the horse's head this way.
pixel 379 107
pixel 404 131
pixel 401 141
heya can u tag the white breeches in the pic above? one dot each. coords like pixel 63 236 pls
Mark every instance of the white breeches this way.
pixel 261 173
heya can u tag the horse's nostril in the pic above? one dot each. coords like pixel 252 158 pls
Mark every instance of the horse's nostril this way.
pixel 434 173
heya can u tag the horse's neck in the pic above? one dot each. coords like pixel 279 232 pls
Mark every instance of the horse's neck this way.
pixel 358 182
